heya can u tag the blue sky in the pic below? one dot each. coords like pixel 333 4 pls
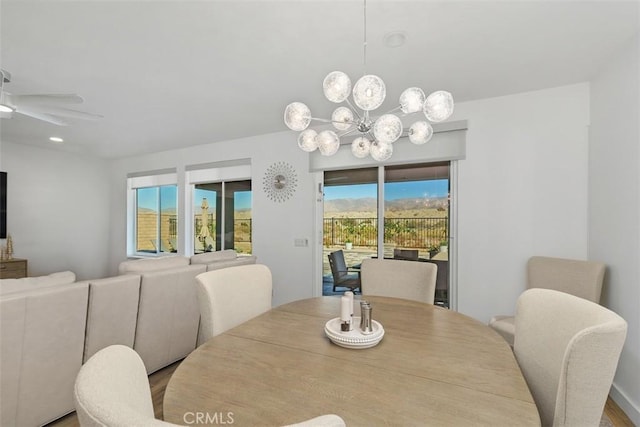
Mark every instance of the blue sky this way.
pixel 148 198
pixel 393 190
pixel 242 199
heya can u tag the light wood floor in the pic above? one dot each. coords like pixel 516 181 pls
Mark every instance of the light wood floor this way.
pixel 158 381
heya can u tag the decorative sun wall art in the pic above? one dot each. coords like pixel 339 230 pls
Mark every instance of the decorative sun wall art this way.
pixel 280 181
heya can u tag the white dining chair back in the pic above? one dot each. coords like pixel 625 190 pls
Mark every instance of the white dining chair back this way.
pixel 230 296
pixel 329 420
pixel 568 350
pixel 412 280
pixel 112 390
pixel 576 277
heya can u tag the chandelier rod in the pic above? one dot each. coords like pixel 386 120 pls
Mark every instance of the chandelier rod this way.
pixel 364 66
pixel 355 110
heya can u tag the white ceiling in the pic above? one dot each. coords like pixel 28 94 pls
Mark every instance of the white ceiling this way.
pixel 170 74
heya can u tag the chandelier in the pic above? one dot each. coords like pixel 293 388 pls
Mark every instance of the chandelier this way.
pixel 375 135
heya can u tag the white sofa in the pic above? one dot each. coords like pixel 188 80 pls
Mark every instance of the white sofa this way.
pixel 50 325
pixel 222 259
pixel 168 313
pixel 42 330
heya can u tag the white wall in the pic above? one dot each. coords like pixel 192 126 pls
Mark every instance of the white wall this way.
pixel 522 192
pixel 275 225
pixel 614 206
pixel 58 210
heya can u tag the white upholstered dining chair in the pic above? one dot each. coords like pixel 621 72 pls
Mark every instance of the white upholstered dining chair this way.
pixel 576 277
pixel 399 279
pixel 329 420
pixel 112 390
pixel 568 350
pixel 230 296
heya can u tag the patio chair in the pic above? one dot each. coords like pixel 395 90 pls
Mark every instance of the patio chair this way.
pixel 405 254
pixel 340 272
pixel 442 278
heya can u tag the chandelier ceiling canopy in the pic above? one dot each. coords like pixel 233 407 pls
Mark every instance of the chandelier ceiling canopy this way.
pixel 375 135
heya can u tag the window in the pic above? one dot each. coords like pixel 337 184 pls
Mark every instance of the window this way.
pixel 215 210
pixel 153 220
pixel 222 217
pixel 350 220
pixel 416 208
pixel 219 202
pixel 156 219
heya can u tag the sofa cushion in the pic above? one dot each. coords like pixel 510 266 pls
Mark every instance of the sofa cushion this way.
pixel 112 313
pixel 241 260
pixel 209 257
pixel 168 316
pixel 52 341
pixel 152 264
pixel 26 283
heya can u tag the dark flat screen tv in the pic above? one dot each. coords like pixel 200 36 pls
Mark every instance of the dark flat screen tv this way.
pixel 3 205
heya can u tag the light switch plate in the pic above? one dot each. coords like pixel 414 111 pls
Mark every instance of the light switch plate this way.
pixel 301 242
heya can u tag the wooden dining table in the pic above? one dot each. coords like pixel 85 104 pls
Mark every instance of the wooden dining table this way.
pixel 433 366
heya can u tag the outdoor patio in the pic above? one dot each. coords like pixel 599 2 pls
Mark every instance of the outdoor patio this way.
pixel 355 256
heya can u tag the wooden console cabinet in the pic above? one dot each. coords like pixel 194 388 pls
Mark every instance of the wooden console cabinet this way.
pixel 13 268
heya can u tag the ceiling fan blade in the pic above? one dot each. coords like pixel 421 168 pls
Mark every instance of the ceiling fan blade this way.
pixel 61 112
pixel 43 116
pixel 53 98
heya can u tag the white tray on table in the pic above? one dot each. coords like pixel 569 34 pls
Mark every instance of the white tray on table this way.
pixel 355 338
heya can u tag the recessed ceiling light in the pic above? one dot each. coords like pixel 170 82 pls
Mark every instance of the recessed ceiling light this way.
pixel 395 39
pixel 56 139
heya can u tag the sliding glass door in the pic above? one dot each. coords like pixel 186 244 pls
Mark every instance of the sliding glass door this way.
pixel 414 211
pixel 416 218
pixel 222 216
pixel 350 218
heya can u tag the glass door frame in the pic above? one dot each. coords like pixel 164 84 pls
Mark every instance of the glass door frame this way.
pixel 213 173
pixel 453 230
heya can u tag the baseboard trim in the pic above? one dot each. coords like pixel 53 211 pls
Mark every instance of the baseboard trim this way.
pixel 625 403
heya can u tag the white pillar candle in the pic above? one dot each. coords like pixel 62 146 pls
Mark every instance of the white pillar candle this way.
pixel 345 309
pixel 350 295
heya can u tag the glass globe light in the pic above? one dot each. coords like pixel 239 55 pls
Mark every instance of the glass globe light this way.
pixel 369 92
pixel 342 118
pixel 328 142
pixel 307 140
pixel 420 133
pixel 387 128
pixel 381 151
pixel 297 116
pixel 411 100
pixel 438 106
pixel 360 147
pixel 336 86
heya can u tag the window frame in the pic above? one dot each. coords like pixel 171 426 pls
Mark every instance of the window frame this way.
pixel 147 180
pixel 223 173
